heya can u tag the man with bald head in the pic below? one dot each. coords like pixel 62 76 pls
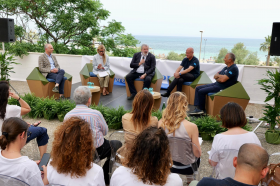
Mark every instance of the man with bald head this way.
pixel 49 68
pixel 250 168
pixel 190 73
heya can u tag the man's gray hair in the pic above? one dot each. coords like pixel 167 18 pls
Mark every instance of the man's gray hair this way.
pixel 231 56
pixel 144 45
pixel 81 95
pixel 46 46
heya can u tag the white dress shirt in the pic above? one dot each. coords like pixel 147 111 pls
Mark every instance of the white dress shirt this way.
pixel 141 69
pixel 51 61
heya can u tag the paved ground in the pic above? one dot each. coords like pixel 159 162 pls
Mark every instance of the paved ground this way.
pixel 32 152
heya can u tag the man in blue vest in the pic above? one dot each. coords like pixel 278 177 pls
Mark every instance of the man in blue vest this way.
pixel 225 78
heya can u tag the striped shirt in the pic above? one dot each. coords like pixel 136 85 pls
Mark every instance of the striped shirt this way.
pixel 94 118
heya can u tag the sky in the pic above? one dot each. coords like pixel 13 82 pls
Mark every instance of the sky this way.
pixel 217 18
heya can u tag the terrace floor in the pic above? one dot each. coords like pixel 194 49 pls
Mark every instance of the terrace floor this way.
pixel 118 98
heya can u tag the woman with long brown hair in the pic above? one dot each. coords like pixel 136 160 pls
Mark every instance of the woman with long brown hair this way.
pixel 174 122
pixel 148 162
pixel 13 164
pixel 101 64
pixel 72 155
pixel 139 118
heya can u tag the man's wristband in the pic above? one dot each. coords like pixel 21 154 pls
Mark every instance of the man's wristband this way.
pixel 180 73
pixel 18 98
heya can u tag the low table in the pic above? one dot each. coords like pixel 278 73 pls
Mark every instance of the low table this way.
pixel 95 91
pixel 157 100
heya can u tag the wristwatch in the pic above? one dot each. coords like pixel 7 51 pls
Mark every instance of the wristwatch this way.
pixel 180 73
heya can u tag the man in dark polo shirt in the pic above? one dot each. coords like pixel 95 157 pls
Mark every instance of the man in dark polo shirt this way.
pixel 250 168
pixel 190 73
pixel 225 78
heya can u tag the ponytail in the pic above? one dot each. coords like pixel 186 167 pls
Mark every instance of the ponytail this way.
pixel 11 128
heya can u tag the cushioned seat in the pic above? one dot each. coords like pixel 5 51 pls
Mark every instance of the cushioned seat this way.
pixel 87 75
pixel 138 83
pixel 210 94
pixel 42 87
pixel 189 87
pixel 52 80
pixel 235 93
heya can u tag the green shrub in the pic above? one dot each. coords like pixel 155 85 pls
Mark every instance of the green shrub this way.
pixel 207 124
pixel 63 107
pixel 113 117
pixel 157 114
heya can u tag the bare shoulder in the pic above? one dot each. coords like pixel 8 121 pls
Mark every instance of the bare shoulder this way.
pixel 160 123
pixel 189 124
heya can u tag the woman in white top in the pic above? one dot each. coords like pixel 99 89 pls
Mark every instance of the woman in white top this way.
pixel 174 122
pixel 72 156
pixel 12 164
pixel 101 64
pixel 7 111
pixel 148 162
pixel 233 118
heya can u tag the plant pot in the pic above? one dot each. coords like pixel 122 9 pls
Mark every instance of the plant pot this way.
pixel 272 137
pixel 206 136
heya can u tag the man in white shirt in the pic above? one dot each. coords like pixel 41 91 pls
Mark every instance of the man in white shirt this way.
pixel 49 68
pixel 144 65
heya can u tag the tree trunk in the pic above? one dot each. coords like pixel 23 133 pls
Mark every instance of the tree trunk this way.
pixel 268 57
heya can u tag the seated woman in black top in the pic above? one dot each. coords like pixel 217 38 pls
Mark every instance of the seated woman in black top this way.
pixel 190 73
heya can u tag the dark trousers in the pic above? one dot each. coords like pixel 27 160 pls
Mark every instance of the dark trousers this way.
pixel 130 81
pixel 202 91
pixel 40 133
pixel 59 78
pixel 104 151
pixel 179 82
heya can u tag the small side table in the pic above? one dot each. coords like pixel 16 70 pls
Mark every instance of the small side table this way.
pixel 157 100
pixel 95 91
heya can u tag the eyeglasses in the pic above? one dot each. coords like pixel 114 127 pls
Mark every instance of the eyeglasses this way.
pixel 101 51
pixel 28 134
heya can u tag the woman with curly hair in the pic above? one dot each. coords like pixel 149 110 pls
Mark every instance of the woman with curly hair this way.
pixel 139 119
pixel 72 155
pixel 148 162
pixel 7 111
pixel 174 122
pixel 13 164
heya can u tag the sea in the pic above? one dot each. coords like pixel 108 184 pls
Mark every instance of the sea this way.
pixel 210 46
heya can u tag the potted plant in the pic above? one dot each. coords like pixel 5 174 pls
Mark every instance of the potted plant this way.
pixel 207 127
pixel 271 85
pixel 6 66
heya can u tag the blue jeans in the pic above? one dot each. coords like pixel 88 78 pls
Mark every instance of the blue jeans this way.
pixel 59 78
pixel 202 91
pixel 40 133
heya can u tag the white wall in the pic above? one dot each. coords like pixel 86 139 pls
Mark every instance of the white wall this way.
pixel 72 65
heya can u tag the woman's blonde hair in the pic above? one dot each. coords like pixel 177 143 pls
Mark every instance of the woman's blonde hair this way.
pixel 175 111
pixel 104 54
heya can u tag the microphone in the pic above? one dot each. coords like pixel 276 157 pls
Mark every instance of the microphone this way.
pixel 143 57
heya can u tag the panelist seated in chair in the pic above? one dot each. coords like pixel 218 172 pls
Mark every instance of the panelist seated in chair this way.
pixel 225 78
pixel 144 65
pixel 190 73
pixel 101 64
pixel 49 68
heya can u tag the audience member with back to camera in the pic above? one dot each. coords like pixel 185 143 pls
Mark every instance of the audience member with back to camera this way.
pixel 139 118
pixel 148 162
pixel 101 64
pixel 7 111
pixel 233 118
pixel 13 138
pixel 98 125
pixel 72 155
pixel 174 122
pixel 251 167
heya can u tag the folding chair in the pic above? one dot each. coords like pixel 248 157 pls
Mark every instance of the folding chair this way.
pixel 183 151
pixel 115 159
pixel 222 163
pixel 6 180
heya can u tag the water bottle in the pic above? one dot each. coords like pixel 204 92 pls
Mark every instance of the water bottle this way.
pixel 163 106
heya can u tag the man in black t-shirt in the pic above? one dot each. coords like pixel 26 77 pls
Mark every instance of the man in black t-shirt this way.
pixel 250 168
pixel 225 78
pixel 190 73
